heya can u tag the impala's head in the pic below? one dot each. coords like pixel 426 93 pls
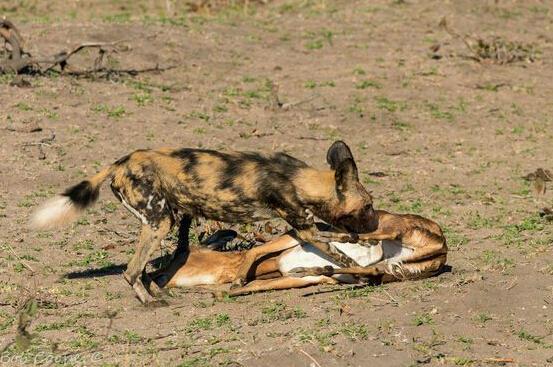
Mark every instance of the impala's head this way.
pixel 354 209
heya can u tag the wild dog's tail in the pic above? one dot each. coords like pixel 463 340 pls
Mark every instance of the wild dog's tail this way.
pixel 68 206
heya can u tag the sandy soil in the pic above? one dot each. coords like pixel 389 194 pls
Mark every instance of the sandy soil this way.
pixel 454 137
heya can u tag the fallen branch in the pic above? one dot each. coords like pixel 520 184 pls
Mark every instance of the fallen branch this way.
pixel 42 143
pixel 19 61
pixel 495 49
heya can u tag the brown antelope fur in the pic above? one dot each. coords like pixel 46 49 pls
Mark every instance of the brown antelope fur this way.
pixel 161 187
pixel 422 252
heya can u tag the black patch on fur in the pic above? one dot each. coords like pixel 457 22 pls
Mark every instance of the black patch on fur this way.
pixel 337 153
pixel 122 160
pixel 83 194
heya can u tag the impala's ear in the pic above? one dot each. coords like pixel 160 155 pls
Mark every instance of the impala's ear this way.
pixel 337 153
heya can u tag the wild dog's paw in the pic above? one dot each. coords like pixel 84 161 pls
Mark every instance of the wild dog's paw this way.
pixel 156 303
pixel 350 237
pixel 237 283
pixel 154 289
pixel 220 295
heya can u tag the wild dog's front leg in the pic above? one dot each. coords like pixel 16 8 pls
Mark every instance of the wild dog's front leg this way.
pixel 378 235
pixel 304 225
pixel 311 236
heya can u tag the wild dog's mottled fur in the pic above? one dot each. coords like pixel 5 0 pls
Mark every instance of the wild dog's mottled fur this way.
pixel 161 186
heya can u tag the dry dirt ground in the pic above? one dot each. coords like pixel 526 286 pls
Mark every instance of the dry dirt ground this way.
pixel 453 135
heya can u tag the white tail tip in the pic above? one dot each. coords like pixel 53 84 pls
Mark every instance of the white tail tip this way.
pixel 56 212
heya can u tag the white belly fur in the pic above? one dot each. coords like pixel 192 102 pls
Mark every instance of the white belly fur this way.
pixel 308 256
pixel 204 279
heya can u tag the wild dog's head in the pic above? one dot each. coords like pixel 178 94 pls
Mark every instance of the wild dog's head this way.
pixel 354 210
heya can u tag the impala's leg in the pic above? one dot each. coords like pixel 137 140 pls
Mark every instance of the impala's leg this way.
pixel 281 283
pixel 372 270
pixel 418 270
pixel 425 244
pixel 251 256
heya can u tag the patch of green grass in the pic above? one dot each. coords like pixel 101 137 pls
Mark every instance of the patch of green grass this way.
pixel 84 340
pixel 278 311
pixel 364 84
pixel 359 71
pixel 195 362
pixel 222 319
pixel 71 322
pixel 6 321
pixel 22 106
pixel 29 200
pixel 123 17
pixel 310 84
pixel 358 292
pixel 494 260
pixel 524 335
pixel 323 339
pixel 110 207
pixel 483 317
pixel 476 221
pixel 132 337
pixel 317 40
pixel 465 341
pixel 438 113
pixel 142 98
pixel 462 361
pixel 384 103
pixel 356 106
pixel 98 258
pixel 201 323
pixel 355 331
pixel 114 112
pixel 414 206
pixel 514 234
pixel 423 319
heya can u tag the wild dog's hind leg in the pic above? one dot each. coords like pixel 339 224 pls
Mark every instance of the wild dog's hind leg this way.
pixel 150 240
pixel 142 197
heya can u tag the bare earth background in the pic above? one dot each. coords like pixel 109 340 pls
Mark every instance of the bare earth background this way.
pixel 453 136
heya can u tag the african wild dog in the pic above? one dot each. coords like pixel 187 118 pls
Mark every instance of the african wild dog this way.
pixel 161 186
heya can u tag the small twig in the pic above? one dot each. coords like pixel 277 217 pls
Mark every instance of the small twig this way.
pixel 390 296
pixel 10 248
pixel 43 142
pixel 107 72
pixel 445 26
pixel 311 138
pixel 310 357
pixel 62 57
pixel 500 360
pixel 286 106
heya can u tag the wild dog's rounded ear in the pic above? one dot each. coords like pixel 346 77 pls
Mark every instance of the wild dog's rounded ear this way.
pixel 337 153
pixel 346 175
